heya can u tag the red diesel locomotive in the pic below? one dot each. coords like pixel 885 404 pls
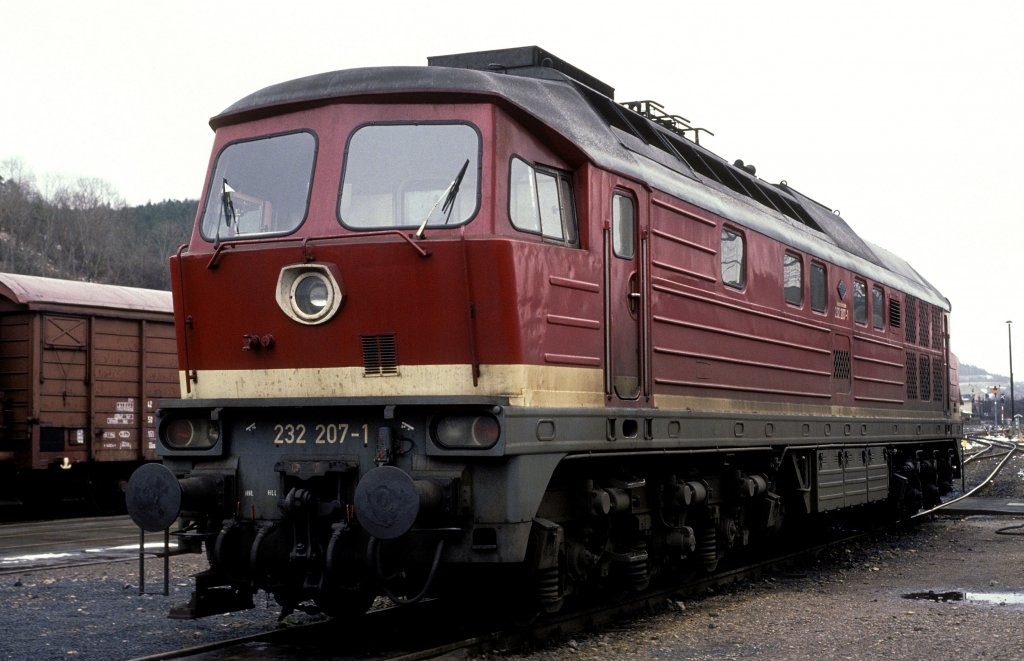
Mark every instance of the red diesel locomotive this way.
pixel 448 325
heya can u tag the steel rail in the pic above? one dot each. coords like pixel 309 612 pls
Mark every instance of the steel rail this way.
pixel 1011 449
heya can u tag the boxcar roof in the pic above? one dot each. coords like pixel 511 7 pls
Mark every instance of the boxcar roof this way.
pixel 37 293
pixel 613 137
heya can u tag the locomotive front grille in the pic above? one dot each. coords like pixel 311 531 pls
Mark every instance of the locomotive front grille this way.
pixel 380 356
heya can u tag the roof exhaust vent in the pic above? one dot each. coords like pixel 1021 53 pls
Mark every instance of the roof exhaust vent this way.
pixel 528 61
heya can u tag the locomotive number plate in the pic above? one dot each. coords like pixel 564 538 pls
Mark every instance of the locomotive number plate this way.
pixel 320 434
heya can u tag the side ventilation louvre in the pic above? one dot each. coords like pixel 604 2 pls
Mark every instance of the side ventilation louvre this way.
pixel 911 375
pixel 910 312
pixel 841 366
pixel 895 314
pixel 924 334
pixel 924 383
pixel 938 381
pixel 379 355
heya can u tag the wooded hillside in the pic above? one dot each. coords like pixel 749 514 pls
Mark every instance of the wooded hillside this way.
pixel 82 230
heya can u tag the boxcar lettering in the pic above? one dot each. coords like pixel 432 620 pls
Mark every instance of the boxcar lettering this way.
pixel 121 419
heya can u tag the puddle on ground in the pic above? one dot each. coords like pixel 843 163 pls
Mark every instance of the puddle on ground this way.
pixel 997 598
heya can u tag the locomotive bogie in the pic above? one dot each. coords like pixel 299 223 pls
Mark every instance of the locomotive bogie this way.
pixel 491 324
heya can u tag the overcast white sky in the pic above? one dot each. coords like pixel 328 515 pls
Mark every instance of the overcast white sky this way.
pixel 905 116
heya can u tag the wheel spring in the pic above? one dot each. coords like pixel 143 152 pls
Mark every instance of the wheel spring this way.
pixel 631 568
pixel 635 569
pixel 707 548
pixel 548 585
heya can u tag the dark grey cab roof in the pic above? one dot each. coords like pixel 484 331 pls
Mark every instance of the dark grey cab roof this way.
pixel 635 144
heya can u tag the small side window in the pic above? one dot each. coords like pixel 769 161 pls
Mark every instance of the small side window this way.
pixel 878 307
pixel 819 287
pixel 623 222
pixel 733 259
pixel 793 279
pixel 540 201
pixel 860 301
pixel 522 198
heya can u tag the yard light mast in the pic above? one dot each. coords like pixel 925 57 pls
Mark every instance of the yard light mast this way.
pixel 1009 339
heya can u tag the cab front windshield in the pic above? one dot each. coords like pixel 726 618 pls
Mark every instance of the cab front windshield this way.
pixel 260 187
pixel 410 176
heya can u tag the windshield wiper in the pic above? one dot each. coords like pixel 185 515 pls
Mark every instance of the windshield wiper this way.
pixel 448 197
pixel 228 208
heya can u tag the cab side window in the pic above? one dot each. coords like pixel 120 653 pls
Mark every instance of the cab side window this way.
pixel 878 307
pixel 793 279
pixel 733 255
pixel 623 222
pixel 540 201
pixel 860 301
pixel 819 287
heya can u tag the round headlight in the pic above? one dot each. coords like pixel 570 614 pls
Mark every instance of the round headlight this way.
pixel 311 295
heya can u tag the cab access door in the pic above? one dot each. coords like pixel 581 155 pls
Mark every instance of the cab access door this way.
pixel 626 297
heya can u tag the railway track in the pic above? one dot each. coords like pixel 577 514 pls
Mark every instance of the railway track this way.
pixel 47 545
pixel 991 450
pixel 434 628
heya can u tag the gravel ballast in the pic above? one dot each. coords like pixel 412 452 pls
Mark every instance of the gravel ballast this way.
pixel 96 612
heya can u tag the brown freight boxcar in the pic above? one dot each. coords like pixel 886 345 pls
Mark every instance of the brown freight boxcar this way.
pixel 82 366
